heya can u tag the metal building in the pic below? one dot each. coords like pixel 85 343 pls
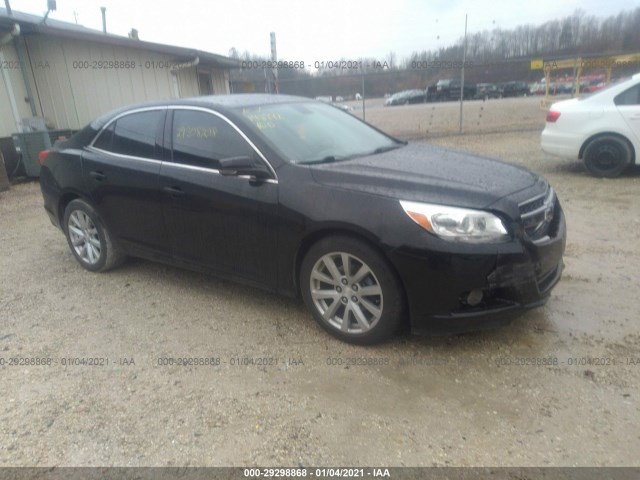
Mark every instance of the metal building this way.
pixel 67 74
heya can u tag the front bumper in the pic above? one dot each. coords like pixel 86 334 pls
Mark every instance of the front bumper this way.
pixel 513 278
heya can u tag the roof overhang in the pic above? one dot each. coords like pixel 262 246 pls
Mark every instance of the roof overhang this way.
pixel 33 25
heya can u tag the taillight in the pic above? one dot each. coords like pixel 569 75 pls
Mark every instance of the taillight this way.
pixel 553 116
pixel 42 156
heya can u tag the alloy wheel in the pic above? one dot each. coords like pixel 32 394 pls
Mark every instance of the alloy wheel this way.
pixel 84 237
pixel 346 293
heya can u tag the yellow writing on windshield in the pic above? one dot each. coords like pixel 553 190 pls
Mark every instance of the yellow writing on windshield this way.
pixel 263 120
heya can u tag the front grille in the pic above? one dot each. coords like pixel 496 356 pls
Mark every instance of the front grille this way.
pixel 538 214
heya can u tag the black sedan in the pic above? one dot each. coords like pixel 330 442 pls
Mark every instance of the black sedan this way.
pixel 301 198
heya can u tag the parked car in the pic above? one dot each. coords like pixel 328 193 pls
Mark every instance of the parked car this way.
pixel 406 97
pixel 300 198
pixel 485 91
pixel 431 93
pixel 449 89
pixel 603 129
pixel 539 89
pixel 515 89
pixel 561 88
pixel 593 86
pixel 342 106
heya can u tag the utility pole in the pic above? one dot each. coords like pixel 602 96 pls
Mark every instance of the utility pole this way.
pixel 464 59
pixel 104 19
pixel 8 7
pixel 274 62
pixel 363 112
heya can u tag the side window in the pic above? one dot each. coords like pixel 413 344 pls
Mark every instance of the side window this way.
pixel 133 134
pixel 201 139
pixel 630 96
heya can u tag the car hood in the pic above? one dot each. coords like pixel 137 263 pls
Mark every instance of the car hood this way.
pixel 426 173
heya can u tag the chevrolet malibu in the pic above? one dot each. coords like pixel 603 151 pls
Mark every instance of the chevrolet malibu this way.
pixel 301 198
pixel 602 129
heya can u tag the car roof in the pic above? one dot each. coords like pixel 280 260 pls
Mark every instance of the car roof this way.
pixel 217 102
pixel 230 101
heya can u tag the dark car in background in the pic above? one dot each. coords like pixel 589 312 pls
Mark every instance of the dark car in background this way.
pixel 486 91
pixel 406 97
pixel 515 89
pixel 449 89
pixel 300 198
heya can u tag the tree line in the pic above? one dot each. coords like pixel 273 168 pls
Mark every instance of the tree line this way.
pixel 492 56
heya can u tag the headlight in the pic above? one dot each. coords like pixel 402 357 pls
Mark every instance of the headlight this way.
pixel 457 224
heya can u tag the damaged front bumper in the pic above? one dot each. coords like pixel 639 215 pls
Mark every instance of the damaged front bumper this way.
pixel 467 291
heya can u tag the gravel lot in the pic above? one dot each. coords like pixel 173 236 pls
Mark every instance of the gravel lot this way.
pixel 431 401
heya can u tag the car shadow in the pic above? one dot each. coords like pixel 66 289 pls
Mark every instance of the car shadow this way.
pixel 578 168
pixel 295 325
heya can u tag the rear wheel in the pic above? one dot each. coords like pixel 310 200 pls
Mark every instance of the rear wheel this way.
pixel 607 156
pixel 88 238
pixel 351 290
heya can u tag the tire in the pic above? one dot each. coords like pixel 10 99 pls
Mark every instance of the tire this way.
pixel 88 238
pixel 607 156
pixel 343 308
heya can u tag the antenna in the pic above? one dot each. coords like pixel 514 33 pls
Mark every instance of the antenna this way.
pixel 51 6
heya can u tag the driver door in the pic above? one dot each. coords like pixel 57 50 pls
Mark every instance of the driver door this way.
pixel 224 223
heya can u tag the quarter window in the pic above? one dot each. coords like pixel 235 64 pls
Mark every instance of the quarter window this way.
pixel 201 139
pixel 105 139
pixel 630 96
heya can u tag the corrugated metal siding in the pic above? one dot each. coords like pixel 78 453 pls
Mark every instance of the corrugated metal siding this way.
pixel 75 84
pixel 220 82
pixel 7 122
pixel 70 88
pixel 188 82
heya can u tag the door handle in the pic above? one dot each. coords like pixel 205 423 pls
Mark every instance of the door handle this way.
pixel 173 191
pixel 98 175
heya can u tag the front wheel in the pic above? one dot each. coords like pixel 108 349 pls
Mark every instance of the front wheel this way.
pixel 607 156
pixel 351 290
pixel 88 238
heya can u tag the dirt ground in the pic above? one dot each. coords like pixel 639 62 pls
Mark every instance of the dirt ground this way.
pixel 559 387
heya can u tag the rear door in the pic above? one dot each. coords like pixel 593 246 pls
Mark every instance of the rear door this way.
pixel 225 223
pixel 120 171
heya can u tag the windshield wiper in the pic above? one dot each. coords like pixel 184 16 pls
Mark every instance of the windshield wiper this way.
pixel 328 159
pixel 386 149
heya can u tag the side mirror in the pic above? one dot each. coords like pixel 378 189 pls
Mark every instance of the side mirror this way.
pixel 243 165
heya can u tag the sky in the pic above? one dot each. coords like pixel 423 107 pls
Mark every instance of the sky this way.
pixel 312 30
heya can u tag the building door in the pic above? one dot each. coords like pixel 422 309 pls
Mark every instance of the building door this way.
pixel 204 83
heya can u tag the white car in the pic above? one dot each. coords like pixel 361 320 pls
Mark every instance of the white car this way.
pixel 602 129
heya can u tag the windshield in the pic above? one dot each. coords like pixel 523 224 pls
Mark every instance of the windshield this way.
pixel 314 132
